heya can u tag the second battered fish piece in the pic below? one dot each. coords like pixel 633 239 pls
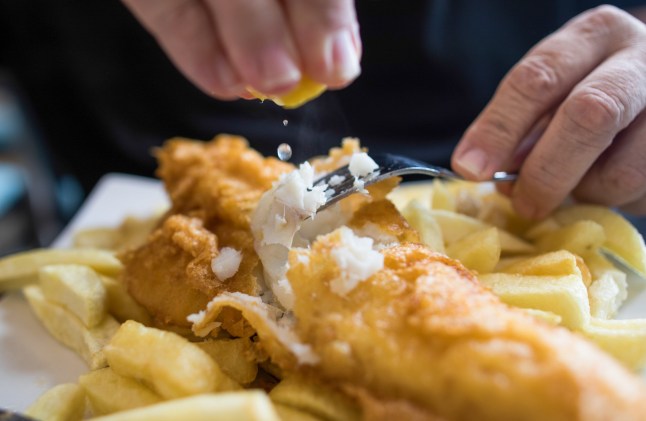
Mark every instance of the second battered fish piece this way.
pixel 171 275
pixel 213 187
pixel 223 178
pixel 423 334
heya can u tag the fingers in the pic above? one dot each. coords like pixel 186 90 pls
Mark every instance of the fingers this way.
pixel 257 38
pixel 327 36
pixel 536 85
pixel 186 32
pixel 223 46
pixel 602 105
pixel 619 177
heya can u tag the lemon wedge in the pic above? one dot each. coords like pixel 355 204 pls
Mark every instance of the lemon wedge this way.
pixel 305 91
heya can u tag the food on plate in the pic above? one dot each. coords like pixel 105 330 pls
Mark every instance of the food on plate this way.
pixel 132 232
pixel 305 91
pixel 311 397
pixel 67 328
pixel 445 343
pixel 65 402
pixel 251 405
pixel 439 303
pixel 213 188
pixel 171 365
pixel 236 357
pixel 22 268
pixel 108 392
pixel 121 305
pixel 78 288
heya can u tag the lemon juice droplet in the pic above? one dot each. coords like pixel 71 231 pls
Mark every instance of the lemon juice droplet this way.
pixel 284 152
pixel 285 123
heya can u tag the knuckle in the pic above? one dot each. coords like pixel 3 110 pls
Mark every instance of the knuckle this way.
pixel 595 111
pixel 601 19
pixel 535 78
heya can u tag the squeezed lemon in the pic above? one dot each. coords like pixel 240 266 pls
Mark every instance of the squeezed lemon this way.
pixel 305 91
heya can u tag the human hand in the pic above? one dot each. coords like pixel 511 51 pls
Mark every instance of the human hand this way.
pixel 224 46
pixel 570 117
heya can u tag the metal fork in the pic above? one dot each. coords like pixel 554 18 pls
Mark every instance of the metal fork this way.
pixel 389 166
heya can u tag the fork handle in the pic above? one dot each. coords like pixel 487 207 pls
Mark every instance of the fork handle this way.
pixel 394 165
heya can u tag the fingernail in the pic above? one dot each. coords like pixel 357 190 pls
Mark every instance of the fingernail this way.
pixel 228 77
pixel 345 57
pixel 474 161
pixel 277 70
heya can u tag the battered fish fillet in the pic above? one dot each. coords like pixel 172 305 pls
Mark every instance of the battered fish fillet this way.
pixel 213 187
pixel 223 178
pixel 418 339
pixel 423 339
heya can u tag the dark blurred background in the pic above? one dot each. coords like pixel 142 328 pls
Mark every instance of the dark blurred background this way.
pixel 84 90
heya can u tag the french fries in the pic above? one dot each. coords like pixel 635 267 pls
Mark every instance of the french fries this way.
pixel 70 330
pixel 554 269
pixel 77 288
pixel 625 339
pixel 249 405
pixel 21 269
pixel 130 233
pixel 121 304
pixel 171 365
pixel 313 398
pixel 623 241
pixel 479 251
pixel 236 357
pixel 107 392
pixel 562 295
pixel 65 402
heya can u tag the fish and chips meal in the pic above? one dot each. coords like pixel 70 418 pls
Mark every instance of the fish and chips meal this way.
pixel 431 301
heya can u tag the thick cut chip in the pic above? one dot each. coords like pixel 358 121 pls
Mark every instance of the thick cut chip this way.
pixel 121 305
pixel 557 263
pixel 109 392
pixel 456 226
pixel 562 295
pixel 132 232
pixel 236 357
pixel 65 402
pixel 69 330
pixel 405 193
pixel 580 237
pixel 442 198
pixel 420 218
pixel 252 405
pixel 479 251
pixel 624 339
pixel 287 413
pixel 622 239
pixel 20 269
pixel 317 399
pixel 546 316
pixel 77 288
pixel 170 364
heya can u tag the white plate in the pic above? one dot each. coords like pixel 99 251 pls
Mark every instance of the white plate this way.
pixel 32 362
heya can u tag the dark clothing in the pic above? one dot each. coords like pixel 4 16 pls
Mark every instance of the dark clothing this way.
pixel 104 94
